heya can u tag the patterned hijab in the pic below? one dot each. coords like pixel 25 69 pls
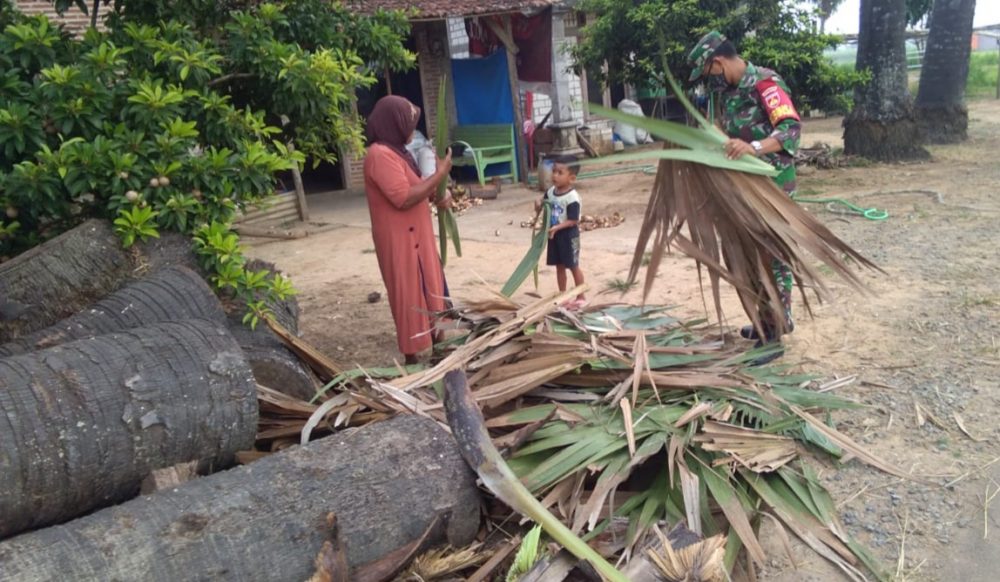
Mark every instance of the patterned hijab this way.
pixel 391 124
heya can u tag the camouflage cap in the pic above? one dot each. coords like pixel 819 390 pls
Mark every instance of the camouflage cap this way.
pixel 703 51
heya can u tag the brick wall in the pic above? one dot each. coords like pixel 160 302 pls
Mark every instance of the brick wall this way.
pixel 73 19
pixel 433 36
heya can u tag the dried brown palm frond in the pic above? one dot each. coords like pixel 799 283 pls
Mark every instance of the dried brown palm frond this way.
pixel 736 224
pixel 757 450
pixel 444 562
pixel 738 220
pixel 588 405
pixel 701 561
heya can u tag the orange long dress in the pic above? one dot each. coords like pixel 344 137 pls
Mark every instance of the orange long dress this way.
pixel 406 248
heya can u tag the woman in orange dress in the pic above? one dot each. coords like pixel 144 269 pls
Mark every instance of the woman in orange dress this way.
pixel 398 200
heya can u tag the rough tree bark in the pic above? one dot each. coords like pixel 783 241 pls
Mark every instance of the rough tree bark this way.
pixel 265 521
pixel 273 364
pixel 173 294
pixel 66 274
pixel 72 271
pixel 83 423
pixel 882 125
pixel 61 276
pixel 940 105
pixel 170 294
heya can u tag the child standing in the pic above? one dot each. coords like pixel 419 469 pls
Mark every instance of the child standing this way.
pixel 564 230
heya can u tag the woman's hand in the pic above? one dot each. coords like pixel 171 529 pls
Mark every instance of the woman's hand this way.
pixel 446 201
pixel 444 164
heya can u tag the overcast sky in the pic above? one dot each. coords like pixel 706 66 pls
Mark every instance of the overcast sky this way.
pixel 845 19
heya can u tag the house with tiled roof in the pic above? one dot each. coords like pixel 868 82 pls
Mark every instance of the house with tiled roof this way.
pixel 446 33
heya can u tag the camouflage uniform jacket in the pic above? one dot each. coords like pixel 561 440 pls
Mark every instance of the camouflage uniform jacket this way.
pixel 758 108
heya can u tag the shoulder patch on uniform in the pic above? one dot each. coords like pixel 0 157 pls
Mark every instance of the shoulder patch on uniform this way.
pixel 776 101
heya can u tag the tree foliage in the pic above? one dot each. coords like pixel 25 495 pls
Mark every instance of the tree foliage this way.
pixel 172 124
pixel 635 38
pixel 917 11
pixel 825 9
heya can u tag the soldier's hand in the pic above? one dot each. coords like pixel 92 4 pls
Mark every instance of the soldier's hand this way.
pixel 736 148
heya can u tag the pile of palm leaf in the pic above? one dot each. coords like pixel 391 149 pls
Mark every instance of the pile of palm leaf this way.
pixel 628 412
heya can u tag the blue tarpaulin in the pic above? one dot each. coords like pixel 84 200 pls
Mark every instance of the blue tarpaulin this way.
pixel 482 94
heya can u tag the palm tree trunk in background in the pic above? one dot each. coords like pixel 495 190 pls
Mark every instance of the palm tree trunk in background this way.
pixel 882 125
pixel 940 105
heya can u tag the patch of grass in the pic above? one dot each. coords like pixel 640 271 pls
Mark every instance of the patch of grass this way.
pixel 367 251
pixel 859 162
pixel 982 80
pixel 970 300
pixel 919 212
pixel 646 257
pixel 622 286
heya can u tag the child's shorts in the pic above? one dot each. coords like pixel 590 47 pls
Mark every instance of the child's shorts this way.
pixel 564 250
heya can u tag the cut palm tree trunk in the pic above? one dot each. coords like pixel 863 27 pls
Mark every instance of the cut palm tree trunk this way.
pixel 170 294
pixel 90 419
pixel 386 483
pixel 66 274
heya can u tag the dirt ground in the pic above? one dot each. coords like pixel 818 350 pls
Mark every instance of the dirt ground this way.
pixel 927 336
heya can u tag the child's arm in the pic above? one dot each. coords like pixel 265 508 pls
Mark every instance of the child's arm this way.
pixel 540 201
pixel 561 226
pixel 572 219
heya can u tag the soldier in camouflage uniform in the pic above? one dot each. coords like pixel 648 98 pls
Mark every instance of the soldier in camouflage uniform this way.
pixel 758 115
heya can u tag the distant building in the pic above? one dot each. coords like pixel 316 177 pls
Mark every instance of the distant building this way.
pixel 986 40
pixel 73 19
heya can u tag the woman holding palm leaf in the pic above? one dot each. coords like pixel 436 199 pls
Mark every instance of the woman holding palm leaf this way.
pixel 398 200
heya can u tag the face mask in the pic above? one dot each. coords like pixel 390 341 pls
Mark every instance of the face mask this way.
pixel 718 83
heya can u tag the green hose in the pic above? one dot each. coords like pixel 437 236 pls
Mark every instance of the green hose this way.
pixel 873 214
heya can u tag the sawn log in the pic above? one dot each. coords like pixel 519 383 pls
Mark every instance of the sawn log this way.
pixel 266 521
pixel 170 294
pixel 82 424
pixel 68 273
